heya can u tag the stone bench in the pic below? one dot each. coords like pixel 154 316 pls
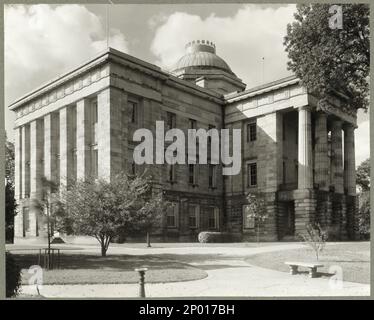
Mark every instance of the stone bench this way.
pixel 310 265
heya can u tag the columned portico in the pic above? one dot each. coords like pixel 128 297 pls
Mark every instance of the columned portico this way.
pixel 305 202
pixel 349 160
pixel 51 147
pixel 83 139
pixel 337 156
pixel 36 173
pixel 305 174
pixel 67 145
pixel 321 163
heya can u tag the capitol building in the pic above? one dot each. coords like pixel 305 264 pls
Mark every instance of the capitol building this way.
pixel 301 159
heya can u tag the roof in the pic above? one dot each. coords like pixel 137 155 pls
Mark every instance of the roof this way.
pixel 201 54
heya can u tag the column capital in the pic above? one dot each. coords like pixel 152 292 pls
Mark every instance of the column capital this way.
pixel 304 108
pixel 349 126
pixel 337 123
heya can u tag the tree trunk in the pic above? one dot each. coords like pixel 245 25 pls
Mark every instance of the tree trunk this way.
pixel 148 240
pixel 103 250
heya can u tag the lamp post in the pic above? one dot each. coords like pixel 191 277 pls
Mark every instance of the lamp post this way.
pixel 141 272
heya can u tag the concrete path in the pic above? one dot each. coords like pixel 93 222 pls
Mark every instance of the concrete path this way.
pixel 228 275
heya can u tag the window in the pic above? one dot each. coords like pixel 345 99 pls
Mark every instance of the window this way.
pixel 248 219
pixel 284 172
pixel 94 119
pixel 192 174
pixel 171 172
pixel 192 124
pixel 95 164
pixel 212 175
pixel 170 120
pixel 213 217
pixel 252 174
pixel 172 216
pixel 251 131
pixel 25 220
pixel 133 106
pixel 193 215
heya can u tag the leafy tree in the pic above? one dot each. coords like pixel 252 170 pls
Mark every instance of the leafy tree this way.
pixel 315 237
pixel 331 60
pixel 363 175
pixel 10 203
pixel 49 207
pixel 13 276
pixel 257 209
pixel 364 214
pixel 104 209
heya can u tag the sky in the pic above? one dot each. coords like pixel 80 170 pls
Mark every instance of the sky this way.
pixel 44 41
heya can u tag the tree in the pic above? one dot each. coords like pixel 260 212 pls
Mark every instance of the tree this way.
pixel 257 209
pixel 315 237
pixel 331 60
pixel 104 209
pixel 364 214
pixel 363 175
pixel 49 207
pixel 10 203
pixel 149 210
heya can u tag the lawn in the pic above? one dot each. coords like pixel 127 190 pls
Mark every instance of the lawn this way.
pixel 94 269
pixel 353 258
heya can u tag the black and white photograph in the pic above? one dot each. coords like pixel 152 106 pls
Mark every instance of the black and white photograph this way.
pixel 187 151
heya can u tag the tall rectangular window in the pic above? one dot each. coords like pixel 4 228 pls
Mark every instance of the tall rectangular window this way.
pixel 212 213
pixel 212 175
pixel 171 172
pixel 193 215
pixel 192 123
pixel 94 119
pixel 251 131
pixel 25 220
pixel 170 120
pixel 95 164
pixel 252 174
pixel 133 106
pixel 172 215
pixel 192 174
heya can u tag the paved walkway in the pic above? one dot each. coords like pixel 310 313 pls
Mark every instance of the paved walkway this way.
pixel 228 275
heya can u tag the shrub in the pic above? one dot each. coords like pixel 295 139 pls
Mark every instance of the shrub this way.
pixel 13 276
pixel 315 237
pixel 214 237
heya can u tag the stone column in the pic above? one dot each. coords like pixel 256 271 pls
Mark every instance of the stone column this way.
pixel 109 142
pixel 337 160
pixel 36 173
pixel 51 147
pixel 349 160
pixel 305 150
pixel 67 139
pixel 322 162
pixel 18 180
pixel 83 139
pixel 25 161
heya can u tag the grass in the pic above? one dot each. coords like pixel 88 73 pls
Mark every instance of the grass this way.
pixel 353 258
pixel 94 269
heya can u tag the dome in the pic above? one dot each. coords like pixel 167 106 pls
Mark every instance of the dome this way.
pixel 201 54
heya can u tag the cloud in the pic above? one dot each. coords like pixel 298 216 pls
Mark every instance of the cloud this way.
pixel 241 40
pixel 42 42
pixel 362 142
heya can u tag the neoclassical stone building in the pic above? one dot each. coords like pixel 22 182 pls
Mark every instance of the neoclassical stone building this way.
pixel 300 159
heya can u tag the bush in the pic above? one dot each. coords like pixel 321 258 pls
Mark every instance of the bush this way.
pixel 13 276
pixel 214 237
